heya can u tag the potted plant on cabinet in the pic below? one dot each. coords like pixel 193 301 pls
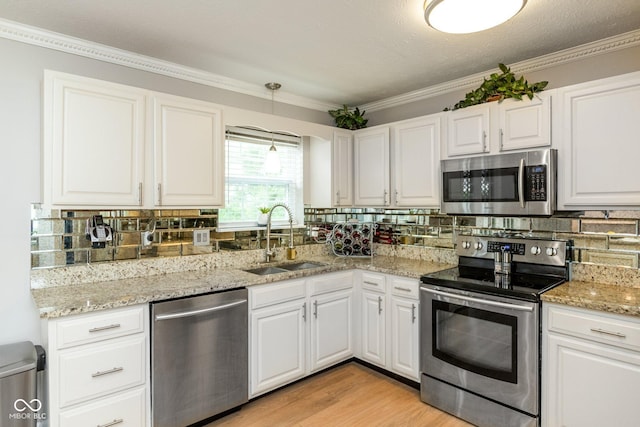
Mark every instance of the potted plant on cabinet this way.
pixel 500 86
pixel 349 119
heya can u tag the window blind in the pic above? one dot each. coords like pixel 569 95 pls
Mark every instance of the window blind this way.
pixel 248 185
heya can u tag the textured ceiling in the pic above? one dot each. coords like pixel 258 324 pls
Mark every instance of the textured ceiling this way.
pixel 334 51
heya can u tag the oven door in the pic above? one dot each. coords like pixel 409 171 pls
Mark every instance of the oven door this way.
pixel 484 344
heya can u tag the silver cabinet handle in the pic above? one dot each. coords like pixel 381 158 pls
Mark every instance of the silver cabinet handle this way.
pixel 107 372
pixel 484 141
pixel 315 309
pixel 366 282
pixel 197 312
pixel 501 139
pixel 112 423
pixel 605 332
pixel 160 194
pixel 104 328
pixel 304 312
pixel 413 313
pixel 379 305
pixel 479 300
pixel 402 289
pixel 140 193
pixel 396 196
pixel 338 198
pixel 384 201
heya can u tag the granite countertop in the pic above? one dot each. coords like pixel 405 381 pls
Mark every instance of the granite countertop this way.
pixel 59 301
pixel 611 298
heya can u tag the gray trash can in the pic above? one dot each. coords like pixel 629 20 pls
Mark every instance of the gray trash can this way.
pixel 19 406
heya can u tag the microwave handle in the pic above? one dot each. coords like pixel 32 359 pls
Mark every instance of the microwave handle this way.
pixel 521 182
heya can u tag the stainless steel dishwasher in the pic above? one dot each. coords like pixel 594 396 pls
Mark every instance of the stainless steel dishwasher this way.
pixel 199 357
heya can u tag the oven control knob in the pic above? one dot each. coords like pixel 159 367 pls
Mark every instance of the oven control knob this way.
pixel 535 250
pixel 552 251
pixel 466 245
pixel 478 246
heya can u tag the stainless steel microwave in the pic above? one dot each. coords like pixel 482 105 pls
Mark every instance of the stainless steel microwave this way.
pixel 514 184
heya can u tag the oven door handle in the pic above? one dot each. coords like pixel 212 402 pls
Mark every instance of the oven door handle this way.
pixel 480 301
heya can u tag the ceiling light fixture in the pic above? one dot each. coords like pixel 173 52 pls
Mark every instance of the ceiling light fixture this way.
pixel 272 160
pixel 469 16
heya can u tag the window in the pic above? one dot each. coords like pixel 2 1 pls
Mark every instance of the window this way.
pixel 248 186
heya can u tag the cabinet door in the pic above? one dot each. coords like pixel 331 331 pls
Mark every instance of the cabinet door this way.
pixel 188 144
pixel 373 328
pixel 331 326
pixel 598 147
pixel 342 169
pixel 526 123
pixel 404 337
pixel 277 345
pixel 467 130
pixel 93 149
pixel 371 167
pixel 589 384
pixel 416 163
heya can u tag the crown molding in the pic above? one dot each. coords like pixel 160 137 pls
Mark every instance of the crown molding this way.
pixel 56 41
pixel 610 44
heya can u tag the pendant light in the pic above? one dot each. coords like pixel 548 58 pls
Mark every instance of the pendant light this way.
pixel 272 160
pixel 469 16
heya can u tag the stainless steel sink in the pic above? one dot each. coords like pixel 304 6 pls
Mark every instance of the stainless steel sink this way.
pixel 284 268
pixel 263 271
pixel 301 266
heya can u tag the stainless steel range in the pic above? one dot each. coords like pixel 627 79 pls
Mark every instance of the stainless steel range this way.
pixel 480 330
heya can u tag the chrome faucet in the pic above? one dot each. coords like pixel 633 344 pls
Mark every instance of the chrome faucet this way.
pixel 269 253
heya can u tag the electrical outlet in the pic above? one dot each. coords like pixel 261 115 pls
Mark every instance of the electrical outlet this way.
pixel 201 238
pixel 146 239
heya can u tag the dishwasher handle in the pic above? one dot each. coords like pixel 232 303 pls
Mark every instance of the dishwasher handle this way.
pixel 199 312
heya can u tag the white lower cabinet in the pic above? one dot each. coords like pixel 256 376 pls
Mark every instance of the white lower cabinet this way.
pixel 98 370
pixel 297 327
pixel 389 323
pixel 331 330
pixel 278 337
pixel 591 368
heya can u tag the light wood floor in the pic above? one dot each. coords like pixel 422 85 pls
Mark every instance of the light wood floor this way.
pixel 349 395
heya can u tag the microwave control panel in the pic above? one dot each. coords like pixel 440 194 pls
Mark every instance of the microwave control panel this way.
pixel 536 183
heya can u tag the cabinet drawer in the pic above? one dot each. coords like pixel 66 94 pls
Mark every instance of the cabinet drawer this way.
pixel 88 328
pixel 263 296
pixel 96 370
pixel 604 328
pixel 403 287
pixel 374 282
pixel 331 282
pixel 122 410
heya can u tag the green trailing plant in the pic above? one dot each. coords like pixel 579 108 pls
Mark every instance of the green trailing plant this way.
pixel 500 86
pixel 349 119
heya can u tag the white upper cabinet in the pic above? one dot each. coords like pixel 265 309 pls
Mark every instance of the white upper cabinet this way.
pixel 468 130
pixel 401 169
pixel 525 124
pixel 188 151
pixel 94 138
pixel 371 167
pixel 415 165
pixel 494 127
pixel 598 144
pixel 107 145
pixel 342 168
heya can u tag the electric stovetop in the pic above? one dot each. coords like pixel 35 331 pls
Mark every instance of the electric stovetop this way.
pixel 519 285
